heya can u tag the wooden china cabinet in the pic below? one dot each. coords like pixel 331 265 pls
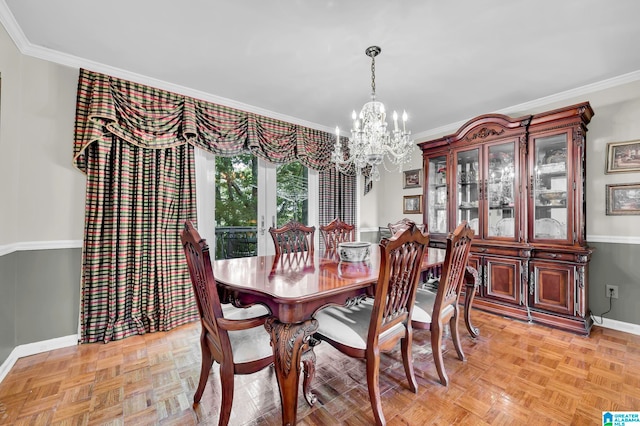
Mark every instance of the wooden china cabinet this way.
pixel 520 183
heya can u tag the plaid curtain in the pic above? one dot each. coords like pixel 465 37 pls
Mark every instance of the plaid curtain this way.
pixel 134 275
pixel 337 198
pixel 135 144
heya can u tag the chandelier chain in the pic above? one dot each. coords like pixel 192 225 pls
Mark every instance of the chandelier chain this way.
pixel 373 76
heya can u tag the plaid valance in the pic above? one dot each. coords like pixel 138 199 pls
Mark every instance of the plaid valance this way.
pixel 153 118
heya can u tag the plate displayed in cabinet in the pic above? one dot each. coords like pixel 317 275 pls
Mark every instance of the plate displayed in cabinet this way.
pixel 554 198
pixel 469 205
pixel 551 168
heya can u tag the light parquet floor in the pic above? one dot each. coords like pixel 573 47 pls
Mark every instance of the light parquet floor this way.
pixel 515 374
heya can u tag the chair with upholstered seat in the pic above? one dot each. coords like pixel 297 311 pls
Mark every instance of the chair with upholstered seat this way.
pixel 366 329
pixel 336 232
pixel 293 237
pixel 236 339
pixel 441 307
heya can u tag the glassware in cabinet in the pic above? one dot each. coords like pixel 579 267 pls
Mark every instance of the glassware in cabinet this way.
pixel 550 187
pixel 500 187
pixel 437 193
pixel 467 186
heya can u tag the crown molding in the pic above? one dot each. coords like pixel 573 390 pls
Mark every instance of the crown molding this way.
pixel 578 92
pixel 27 48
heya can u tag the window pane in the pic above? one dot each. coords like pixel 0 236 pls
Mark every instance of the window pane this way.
pixel 292 193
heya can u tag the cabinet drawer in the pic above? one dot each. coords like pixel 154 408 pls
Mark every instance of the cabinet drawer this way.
pixel 512 251
pixel 549 255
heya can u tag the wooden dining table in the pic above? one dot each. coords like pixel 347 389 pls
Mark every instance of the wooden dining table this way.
pixel 294 287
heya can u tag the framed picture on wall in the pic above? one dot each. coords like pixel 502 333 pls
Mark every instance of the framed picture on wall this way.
pixel 623 199
pixel 412 204
pixel 412 178
pixel 623 157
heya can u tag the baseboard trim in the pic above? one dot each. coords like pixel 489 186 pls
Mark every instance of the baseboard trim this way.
pixel 619 326
pixel 35 348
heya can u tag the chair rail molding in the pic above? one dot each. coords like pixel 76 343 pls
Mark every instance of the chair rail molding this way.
pixel 613 239
pixel 39 245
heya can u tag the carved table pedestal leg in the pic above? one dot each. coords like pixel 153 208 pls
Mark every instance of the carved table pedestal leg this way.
pixel 288 342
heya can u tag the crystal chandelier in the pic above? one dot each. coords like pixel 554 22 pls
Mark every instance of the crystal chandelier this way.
pixel 371 144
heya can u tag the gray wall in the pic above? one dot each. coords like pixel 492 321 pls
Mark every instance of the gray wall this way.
pixel 616 264
pixel 39 296
pixel 7 305
pixel 47 294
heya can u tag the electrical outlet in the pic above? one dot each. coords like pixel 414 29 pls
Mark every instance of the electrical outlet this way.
pixel 612 291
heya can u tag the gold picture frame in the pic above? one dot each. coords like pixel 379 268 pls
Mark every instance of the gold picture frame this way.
pixel 412 178
pixel 412 204
pixel 623 199
pixel 623 157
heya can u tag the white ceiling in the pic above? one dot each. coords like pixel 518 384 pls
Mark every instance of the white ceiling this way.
pixel 303 61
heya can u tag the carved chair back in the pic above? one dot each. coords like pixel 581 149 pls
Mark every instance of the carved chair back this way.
pixel 433 311
pixel 293 237
pixel 453 268
pixel 400 268
pixel 403 223
pixel 336 232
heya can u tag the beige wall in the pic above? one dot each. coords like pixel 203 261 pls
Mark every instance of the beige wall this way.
pixel 617 122
pixel 616 119
pixel 10 107
pixel 384 204
pixel 41 193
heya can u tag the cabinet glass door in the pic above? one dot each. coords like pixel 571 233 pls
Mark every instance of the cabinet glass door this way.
pixel 550 188
pixel 437 193
pixel 467 188
pixel 500 197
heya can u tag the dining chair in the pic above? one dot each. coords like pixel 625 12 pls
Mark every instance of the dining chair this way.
pixel 336 232
pixel 293 237
pixel 235 339
pixel 372 326
pixel 402 223
pixel 435 309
